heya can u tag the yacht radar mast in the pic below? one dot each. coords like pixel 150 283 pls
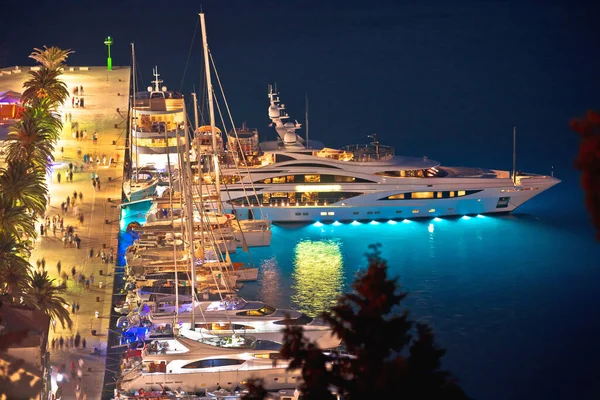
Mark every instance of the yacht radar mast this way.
pixel 156 81
pixel 285 130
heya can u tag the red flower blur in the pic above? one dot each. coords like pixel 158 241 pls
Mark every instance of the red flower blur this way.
pixel 588 161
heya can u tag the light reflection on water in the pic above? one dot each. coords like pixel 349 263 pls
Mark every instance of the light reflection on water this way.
pixel 318 277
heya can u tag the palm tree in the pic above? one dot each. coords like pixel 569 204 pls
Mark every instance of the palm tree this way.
pixel 51 57
pixel 32 138
pixel 14 268
pixel 15 220
pixel 45 84
pixel 22 186
pixel 45 297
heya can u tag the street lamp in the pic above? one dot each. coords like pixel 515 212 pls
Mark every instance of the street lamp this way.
pixel 108 42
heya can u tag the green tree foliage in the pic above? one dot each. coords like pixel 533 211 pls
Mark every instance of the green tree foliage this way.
pixel 23 191
pixel 385 357
pixel 45 296
pixel 23 187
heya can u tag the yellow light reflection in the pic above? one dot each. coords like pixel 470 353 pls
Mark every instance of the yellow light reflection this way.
pixel 318 276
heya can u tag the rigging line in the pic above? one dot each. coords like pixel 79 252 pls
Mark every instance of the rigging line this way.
pixel 189 54
pixel 237 138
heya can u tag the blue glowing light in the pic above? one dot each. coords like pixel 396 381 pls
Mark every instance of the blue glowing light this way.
pixel 406 221
pixel 437 219
pixel 374 223
pixel 355 223
pixel 317 224
pixel 392 222
pixel 337 223
pixel 430 228
pixel 466 217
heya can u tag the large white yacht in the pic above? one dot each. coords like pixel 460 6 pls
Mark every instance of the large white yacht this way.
pixel 158 114
pixel 295 180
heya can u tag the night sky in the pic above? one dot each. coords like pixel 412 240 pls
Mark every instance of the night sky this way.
pixel 444 79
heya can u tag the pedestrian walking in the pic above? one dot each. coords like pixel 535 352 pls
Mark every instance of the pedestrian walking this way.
pixel 58 177
pixel 81 102
pixel 42 230
pixel 53 343
pixel 77 242
pixel 72 342
pixel 61 342
pixel 83 343
pixel 77 306
pixel 58 267
pixel 72 307
pixel 91 253
pixel 94 183
pixel 77 340
pixel 43 263
pixel 80 197
pixel 98 183
pixel 68 201
pixel 73 271
pixel 72 101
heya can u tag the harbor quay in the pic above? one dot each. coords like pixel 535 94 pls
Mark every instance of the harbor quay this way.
pixel 96 129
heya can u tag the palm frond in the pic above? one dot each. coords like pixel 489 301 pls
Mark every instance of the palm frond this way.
pixel 51 57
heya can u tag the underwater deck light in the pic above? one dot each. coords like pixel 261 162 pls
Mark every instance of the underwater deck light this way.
pixel 318 224
pixel 466 217
pixel 437 219
pixel 355 223
pixel 406 221
pixel 374 223
pixel 337 223
pixel 480 216
pixel 392 222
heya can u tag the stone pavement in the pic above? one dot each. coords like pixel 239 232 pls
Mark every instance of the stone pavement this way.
pixel 105 111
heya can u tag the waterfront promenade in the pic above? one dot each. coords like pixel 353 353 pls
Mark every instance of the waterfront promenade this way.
pixel 104 112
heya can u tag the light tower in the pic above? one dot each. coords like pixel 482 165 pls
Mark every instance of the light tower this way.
pixel 108 42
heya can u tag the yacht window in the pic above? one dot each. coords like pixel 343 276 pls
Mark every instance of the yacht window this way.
pixel 278 179
pixel 439 195
pixel 282 158
pixel 339 178
pixel 422 195
pixel 290 179
pixel 312 178
pixel 451 194
pixel 461 193
pixel 396 196
pixel 264 310
pixel 219 362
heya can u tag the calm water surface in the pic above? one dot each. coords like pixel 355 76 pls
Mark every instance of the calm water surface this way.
pixel 512 298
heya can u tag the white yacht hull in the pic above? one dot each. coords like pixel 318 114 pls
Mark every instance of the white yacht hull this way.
pixel 212 378
pixel 368 206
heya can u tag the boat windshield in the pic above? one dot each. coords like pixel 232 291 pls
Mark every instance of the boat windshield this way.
pixel 227 304
pixel 369 152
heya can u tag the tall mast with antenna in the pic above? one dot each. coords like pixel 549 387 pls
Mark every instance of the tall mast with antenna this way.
pixel 514 155
pixel 307 142
pixel 211 109
pixel 195 111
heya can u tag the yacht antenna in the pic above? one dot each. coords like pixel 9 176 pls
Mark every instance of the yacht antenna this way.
pixel 375 143
pixel 195 111
pixel 211 109
pixel 307 142
pixel 156 81
pixel 514 155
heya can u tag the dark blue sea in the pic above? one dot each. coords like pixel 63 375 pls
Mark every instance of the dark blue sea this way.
pixel 512 298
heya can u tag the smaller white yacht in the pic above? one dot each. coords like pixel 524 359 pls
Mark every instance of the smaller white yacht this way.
pixel 190 365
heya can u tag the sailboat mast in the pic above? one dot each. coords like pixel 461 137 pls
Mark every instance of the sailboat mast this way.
pixel 185 181
pixel 134 109
pixel 307 142
pixel 172 222
pixel 211 109
pixel 515 155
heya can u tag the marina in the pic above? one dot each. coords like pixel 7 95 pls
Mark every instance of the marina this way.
pixel 203 238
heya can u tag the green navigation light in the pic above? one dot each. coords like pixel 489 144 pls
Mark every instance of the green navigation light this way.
pixel 108 42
